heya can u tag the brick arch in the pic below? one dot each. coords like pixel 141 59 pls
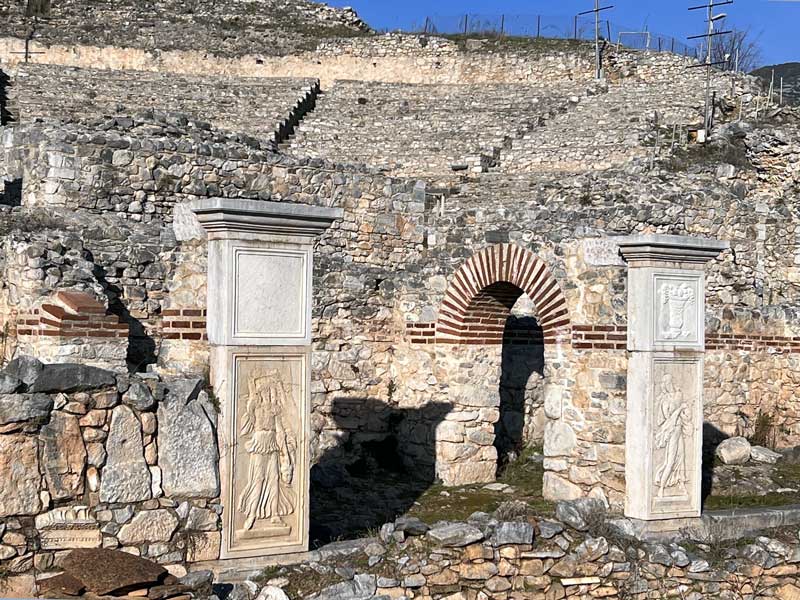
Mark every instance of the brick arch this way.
pixel 483 291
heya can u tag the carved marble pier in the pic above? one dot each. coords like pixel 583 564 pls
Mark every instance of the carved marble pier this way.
pixel 666 344
pixel 260 257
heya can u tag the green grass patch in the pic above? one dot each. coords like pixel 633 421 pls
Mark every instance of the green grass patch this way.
pixel 787 474
pixel 440 503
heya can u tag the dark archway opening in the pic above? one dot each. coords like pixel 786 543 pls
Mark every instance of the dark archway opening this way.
pixel 521 374
pixel 502 314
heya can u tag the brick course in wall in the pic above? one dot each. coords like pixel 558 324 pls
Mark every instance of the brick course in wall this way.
pixel 78 316
pixel 597 337
pixel 184 324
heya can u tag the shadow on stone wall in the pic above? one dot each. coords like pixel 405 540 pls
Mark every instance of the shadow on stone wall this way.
pixel 12 194
pixel 712 437
pixel 522 356
pixel 384 463
pixel 5 83
pixel 142 350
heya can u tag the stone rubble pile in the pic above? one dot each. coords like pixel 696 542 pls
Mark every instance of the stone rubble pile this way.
pixel 579 554
pixel 738 451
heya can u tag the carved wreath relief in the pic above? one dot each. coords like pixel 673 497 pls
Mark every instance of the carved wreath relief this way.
pixel 673 429
pixel 270 446
pixel 677 299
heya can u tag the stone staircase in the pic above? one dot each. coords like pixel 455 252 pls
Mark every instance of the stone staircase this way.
pixel 606 128
pixel 430 131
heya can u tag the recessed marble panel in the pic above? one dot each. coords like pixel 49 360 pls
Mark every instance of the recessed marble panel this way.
pixel 270 293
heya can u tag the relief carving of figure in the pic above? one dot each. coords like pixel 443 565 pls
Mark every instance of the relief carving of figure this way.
pixel 674 428
pixel 271 448
pixel 676 299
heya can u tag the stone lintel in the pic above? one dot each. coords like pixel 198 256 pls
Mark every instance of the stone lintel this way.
pixel 656 250
pixel 218 215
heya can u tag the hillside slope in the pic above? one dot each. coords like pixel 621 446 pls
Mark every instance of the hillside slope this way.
pixel 226 28
pixel 791 80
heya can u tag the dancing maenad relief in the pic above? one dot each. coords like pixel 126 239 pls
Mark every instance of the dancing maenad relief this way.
pixel 270 446
pixel 673 428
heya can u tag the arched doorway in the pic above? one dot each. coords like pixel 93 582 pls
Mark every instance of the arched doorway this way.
pixel 501 310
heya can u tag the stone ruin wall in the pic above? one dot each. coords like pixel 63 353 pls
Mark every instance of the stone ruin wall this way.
pixel 371 362
pixel 399 257
pixel 388 58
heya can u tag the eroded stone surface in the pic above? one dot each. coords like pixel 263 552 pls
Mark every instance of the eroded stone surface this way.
pixel 18 408
pixel 63 456
pixel 734 451
pixel 139 396
pixel 455 535
pixel 125 477
pixel 149 526
pixel 187 448
pixel 71 378
pixel 764 455
pixel 19 472
pixel 105 571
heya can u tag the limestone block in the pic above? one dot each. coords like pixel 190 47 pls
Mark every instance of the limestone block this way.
pixel 19 472
pixel 734 451
pixel 139 396
pixel 764 455
pixel 125 477
pixel 512 533
pixel 18 586
pixel 70 377
pixel 201 519
pixel 204 546
pixel 149 526
pixel 185 223
pixel 455 535
pixel 555 487
pixel 450 431
pixel 271 592
pixel 25 368
pixel 63 456
pixel 9 384
pixel 559 439
pixel 18 408
pixel 106 572
pixel 466 473
pixel 187 449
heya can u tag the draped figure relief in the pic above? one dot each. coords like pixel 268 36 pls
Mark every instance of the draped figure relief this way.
pixel 673 428
pixel 271 447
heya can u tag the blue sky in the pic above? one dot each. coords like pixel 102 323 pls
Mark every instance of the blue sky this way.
pixel 777 23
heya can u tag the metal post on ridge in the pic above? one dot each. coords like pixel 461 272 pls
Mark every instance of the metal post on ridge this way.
pixel 28 39
pixel 709 36
pixel 596 10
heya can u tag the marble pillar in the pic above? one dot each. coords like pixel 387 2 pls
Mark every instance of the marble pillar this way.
pixel 666 344
pixel 260 257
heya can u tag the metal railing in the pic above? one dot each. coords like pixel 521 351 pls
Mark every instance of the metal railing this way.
pixel 543 26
